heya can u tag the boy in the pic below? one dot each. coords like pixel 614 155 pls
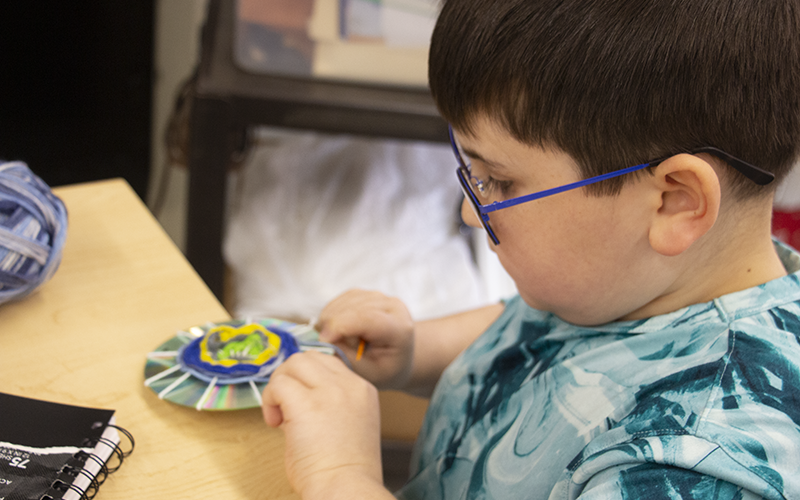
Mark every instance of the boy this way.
pixel 653 349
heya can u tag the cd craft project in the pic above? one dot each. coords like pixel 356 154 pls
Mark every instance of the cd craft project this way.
pixel 225 366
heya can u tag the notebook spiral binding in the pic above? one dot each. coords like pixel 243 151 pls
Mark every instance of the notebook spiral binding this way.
pixel 75 467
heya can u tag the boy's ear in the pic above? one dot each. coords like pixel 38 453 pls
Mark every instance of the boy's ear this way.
pixel 688 206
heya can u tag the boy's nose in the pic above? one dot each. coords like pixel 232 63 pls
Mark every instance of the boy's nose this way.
pixel 468 214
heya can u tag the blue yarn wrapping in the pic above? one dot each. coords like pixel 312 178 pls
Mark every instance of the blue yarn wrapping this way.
pixel 189 357
pixel 33 228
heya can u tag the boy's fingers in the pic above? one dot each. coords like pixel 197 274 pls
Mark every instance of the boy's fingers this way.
pixel 344 302
pixel 315 368
pixel 289 391
pixel 347 329
pixel 279 392
pixel 340 314
pixel 361 323
pixel 273 415
pixel 290 387
pixel 311 369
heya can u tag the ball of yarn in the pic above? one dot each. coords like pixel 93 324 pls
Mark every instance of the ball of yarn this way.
pixel 33 228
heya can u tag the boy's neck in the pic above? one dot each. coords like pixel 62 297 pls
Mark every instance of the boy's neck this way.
pixel 737 254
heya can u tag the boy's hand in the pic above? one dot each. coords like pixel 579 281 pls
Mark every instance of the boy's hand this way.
pixel 384 323
pixel 331 420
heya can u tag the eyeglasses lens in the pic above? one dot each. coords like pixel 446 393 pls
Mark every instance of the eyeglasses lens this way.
pixel 465 181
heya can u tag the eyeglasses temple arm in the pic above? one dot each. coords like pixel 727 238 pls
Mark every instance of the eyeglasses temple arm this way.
pixel 497 205
pixel 755 174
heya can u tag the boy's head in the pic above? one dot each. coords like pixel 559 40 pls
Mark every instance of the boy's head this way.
pixel 541 93
pixel 615 83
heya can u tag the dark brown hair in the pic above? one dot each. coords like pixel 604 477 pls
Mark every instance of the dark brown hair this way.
pixel 615 83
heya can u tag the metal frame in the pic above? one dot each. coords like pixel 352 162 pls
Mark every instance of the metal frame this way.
pixel 229 99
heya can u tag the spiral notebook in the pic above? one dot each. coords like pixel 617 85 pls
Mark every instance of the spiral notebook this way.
pixel 53 451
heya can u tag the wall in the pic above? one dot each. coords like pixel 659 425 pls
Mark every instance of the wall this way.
pixel 75 96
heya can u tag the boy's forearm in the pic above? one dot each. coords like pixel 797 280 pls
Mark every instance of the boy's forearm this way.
pixel 438 342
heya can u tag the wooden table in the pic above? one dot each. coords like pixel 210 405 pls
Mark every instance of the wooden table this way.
pixel 122 289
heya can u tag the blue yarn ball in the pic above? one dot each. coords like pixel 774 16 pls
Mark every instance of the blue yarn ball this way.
pixel 33 228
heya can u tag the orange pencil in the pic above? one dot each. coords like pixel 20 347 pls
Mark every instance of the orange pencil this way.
pixel 361 346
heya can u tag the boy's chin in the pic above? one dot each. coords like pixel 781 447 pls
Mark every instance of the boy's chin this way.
pixel 580 316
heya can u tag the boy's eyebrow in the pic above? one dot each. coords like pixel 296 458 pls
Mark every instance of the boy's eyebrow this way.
pixel 477 156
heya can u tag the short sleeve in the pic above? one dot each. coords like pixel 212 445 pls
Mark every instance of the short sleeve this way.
pixel 660 482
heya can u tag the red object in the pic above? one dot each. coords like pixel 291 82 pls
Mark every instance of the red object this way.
pixel 786 227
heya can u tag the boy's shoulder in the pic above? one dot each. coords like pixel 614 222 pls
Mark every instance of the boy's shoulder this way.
pixel 727 421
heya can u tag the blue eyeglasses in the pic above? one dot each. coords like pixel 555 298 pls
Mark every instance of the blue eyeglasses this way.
pixel 470 184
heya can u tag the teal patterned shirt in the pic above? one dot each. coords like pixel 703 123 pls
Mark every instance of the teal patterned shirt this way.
pixel 700 403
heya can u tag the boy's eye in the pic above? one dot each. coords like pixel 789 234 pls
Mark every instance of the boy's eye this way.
pixel 486 185
pixel 494 188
